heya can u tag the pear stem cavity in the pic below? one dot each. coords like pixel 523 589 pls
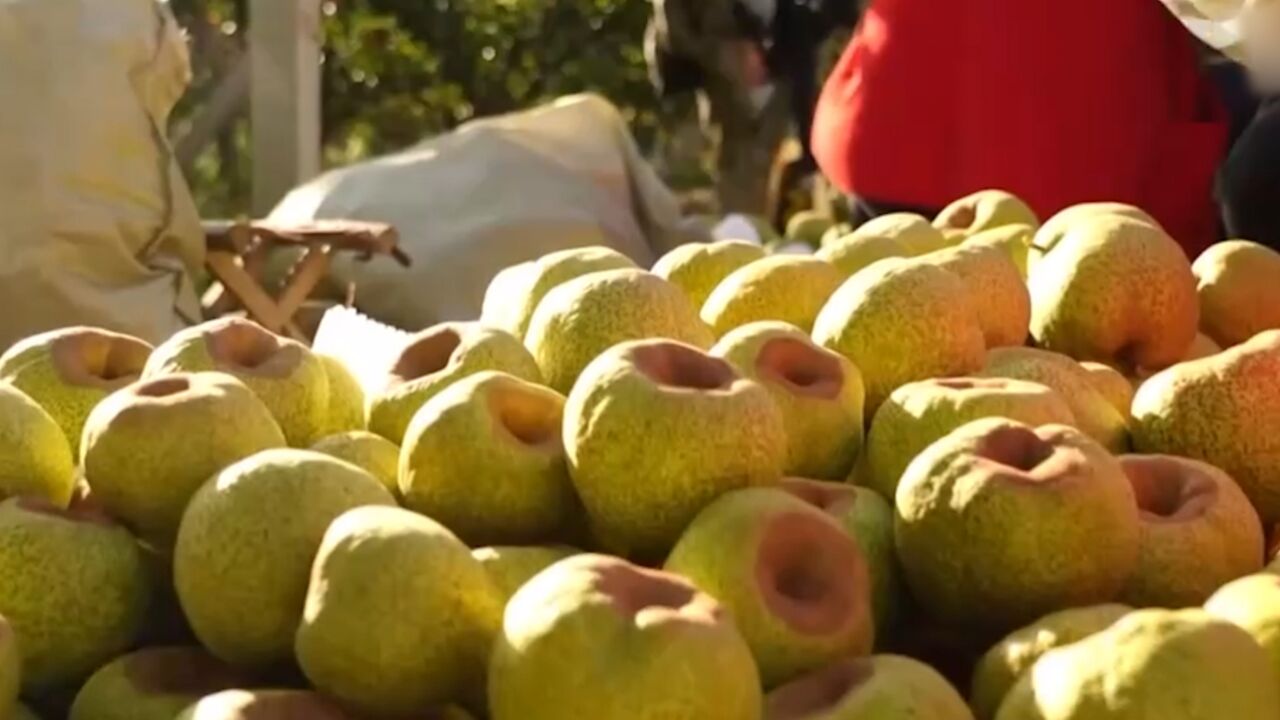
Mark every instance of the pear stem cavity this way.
pixel 818 691
pixel 802 573
pixel 427 353
pixel 679 366
pixel 802 368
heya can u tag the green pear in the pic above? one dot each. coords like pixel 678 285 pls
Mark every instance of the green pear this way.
pixel 1223 410
pixel 717 431
pixel 506 295
pixel 265 705
pixel 286 375
pixel 35 458
pixel 1112 385
pixel 1182 664
pixel 697 268
pixel 794 580
pixel 244 550
pixel 819 393
pixel 899 322
pixel 75 590
pixel 787 288
pixel 898 235
pixel 916 234
pixel 346 397
pixel 869 519
pixel 1094 414
pixel 372 453
pixel 1115 290
pixel 71 370
pixel 510 567
pixel 434 359
pixel 1055 228
pixel 1013 240
pixel 1199 531
pixel 1008 660
pixel 986 210
pixel 524 292
pixel 1238 292
pixel 399 616
pixel 582 318
pixel 881 687
pixel 657 648
pixel 152 684
pixel 999 523
pixel 148 447
pixel 808 227
pixel 918 414
pixel 1253 603
pixel 996 290
pixel 834 233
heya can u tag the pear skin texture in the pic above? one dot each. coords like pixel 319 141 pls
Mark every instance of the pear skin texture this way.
pixel 505 296
pixel 484 459
pixel 285 374
pixel 808 227
pixel 346 397
pixel 1182 664
pixel 510 567
pixel 915 233
pixel 985 543
pixel 582 318
pixel 852 253
pixel 10 669
pixel 880 687
pixel 786 288
pixel 918 414
pixel 1012 240
pixel 1112 385
pixel 265 705
pixel 1253 603
pixel 436 358
pixel 718 432
pixel 1118 291
pixel 1199 532
pixel 525 292
pixel 75 591
pixel 819 392
pixel 743 548
pixel 986 210
pixel 399 616
pixel 151 684
pixel 71 370
pixel 899 322
pixel 1094 414
pixel 1239 295
pixel 244 550
pixel 1055 228
pixel 147 448
pixel 1008 660
pixel 659 649
pixel 35 457
pixel 372 453
pixel 697 268
pixel 996 290
pixel 1223 410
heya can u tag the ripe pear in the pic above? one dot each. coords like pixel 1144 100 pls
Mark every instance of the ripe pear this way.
pixel 1094 414
pixel 434 359
pixel 372 453
pixel 1013 240
pixel 1118 291
pixel 505 296
pixel 286 375
pixel 697 268
pixel 484 458
pixel 148 447
pixel 834 233
pixel 1182 664
pixel 716 430
pixel 1253 603
pixel 152 684
pixel 71 370
pixel 898 235
pixel 794 580
pixel 526 291
pixel 868 517
pixel 808 227
pixel 509 568
pixel 265 705
pixel 399 616
pixel 1008 660
pixel 346 397
pixel 244 549
pixel 1224 410
pixel 1052 231
pixel 996 290
pixel 1238 291
pixel 1199 531
pixel 986 210
pixel 819 392
pixel 899 322
pixel 1112 385
pixel 918 414
pixel 1000 523
pixel 584 317
pixel 35 457
pixel 916 234
pixel 881 687
pixel 786 288
pixel 75 590
pixel 658 648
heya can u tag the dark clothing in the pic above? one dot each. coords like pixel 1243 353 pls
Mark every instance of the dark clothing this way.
pixel 1249 184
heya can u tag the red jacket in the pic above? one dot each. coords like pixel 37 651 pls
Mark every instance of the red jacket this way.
pixel 1059 103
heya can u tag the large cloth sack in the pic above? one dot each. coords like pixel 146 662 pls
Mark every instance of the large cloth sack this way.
pixel 97 226
pixel 493 193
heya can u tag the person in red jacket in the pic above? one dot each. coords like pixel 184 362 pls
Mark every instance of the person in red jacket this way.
pixel 1059 103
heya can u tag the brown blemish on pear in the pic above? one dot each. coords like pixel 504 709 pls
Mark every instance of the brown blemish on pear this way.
pixel 818 691
pixel 802 573
pixel 427 353
pixel 1167 490
pixel 633 590
pixel 803 369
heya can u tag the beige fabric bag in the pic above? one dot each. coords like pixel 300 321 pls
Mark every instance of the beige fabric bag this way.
pixel 97 226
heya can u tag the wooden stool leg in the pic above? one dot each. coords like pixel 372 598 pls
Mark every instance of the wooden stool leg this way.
pixel 262 307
